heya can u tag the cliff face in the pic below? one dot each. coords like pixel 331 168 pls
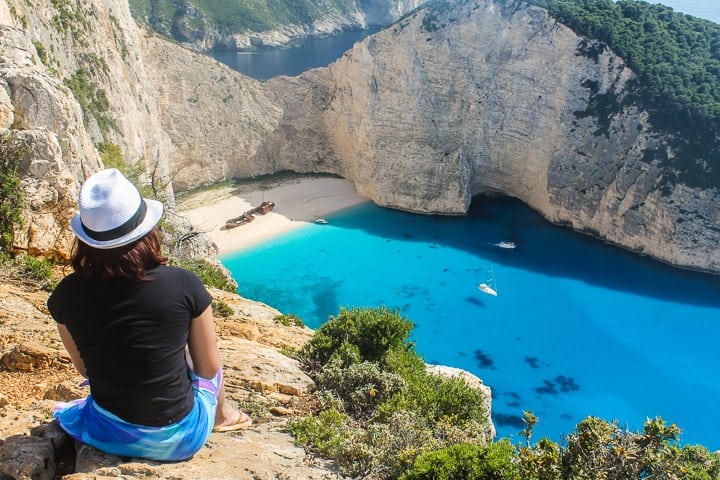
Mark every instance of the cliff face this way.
pixel 484 99
pixel 93 48
pixel 215 117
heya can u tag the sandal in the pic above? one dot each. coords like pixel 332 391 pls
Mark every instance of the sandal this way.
pixel 238 423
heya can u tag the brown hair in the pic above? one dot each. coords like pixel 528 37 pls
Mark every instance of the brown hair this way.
pixel 129 261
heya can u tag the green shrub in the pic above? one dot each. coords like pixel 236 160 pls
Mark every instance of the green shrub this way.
pixel 210 275
pixel 373 331
pixel 222 309
pixel 466 462
pixel 28 270
pixel 437 398
pixel 112 157
pixel 397 410
pixel 697 463
pixel 540 461
pixel 598 449
pixel 12 153
pixel 41 51
pixel 405 362
pixel 384 449
pixel 323 433
pixel 289 351
pixel 361 387
pixel 38 270
pixel 92 100
pixel 289 320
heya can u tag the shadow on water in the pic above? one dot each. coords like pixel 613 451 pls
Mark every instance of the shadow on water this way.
pixel 541 247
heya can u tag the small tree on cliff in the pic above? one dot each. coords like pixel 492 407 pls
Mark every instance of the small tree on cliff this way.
pixel 12 151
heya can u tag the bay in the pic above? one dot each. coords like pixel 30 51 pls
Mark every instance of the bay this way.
pixel 578 327
pixel 300 55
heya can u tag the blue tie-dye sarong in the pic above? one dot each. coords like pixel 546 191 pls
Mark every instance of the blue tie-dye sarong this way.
pixel 87 422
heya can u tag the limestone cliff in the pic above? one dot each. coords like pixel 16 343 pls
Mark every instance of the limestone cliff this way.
pixel 72 77
pixel 487 99
pixel 215 117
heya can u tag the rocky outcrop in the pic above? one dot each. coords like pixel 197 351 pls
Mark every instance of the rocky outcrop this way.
pixel 35 372
pixel 91 47
pixel 43 114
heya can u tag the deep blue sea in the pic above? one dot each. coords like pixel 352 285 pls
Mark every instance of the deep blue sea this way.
pixel 578 327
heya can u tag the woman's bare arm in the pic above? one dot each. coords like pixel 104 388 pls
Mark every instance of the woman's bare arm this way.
pixel 72 349
pixel 203 345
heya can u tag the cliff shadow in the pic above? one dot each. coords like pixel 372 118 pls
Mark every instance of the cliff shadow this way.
pixel 540 247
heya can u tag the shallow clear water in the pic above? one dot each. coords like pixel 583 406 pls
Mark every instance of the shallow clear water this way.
pixel 578 327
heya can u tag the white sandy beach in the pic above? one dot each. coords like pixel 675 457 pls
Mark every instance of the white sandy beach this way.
pixel 297 201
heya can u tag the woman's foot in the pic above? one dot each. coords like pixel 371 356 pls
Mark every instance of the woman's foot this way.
pixel 231 421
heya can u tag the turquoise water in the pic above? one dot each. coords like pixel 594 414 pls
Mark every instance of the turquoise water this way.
pixel 578 327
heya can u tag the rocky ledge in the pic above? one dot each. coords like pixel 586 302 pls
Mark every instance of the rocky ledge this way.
pixel 35 372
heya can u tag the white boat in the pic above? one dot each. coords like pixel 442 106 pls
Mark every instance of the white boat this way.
pixel 485 288
pixel 509 245
pixel 321 221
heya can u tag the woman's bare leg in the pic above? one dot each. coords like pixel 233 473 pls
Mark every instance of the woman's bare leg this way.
pixel 225 413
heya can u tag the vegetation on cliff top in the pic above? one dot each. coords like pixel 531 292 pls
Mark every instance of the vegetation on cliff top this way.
pixel 677 60
pixel 382 416
pixel 235 16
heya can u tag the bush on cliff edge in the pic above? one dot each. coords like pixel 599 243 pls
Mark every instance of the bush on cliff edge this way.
pixel 379 408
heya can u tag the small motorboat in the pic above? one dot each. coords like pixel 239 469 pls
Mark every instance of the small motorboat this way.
pixel 321 221
pixel 485 288
pixel 508 245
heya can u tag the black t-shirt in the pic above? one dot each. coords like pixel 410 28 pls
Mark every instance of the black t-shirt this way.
pixel 132 336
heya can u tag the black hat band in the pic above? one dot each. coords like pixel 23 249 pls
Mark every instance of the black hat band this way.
pixel 123 229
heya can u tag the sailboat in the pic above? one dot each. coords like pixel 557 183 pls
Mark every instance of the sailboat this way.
pixel 486 288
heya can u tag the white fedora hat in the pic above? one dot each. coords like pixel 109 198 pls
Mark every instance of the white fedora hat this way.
pixel 112 211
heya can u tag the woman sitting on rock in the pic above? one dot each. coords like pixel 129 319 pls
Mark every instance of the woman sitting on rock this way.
pixel 140 331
